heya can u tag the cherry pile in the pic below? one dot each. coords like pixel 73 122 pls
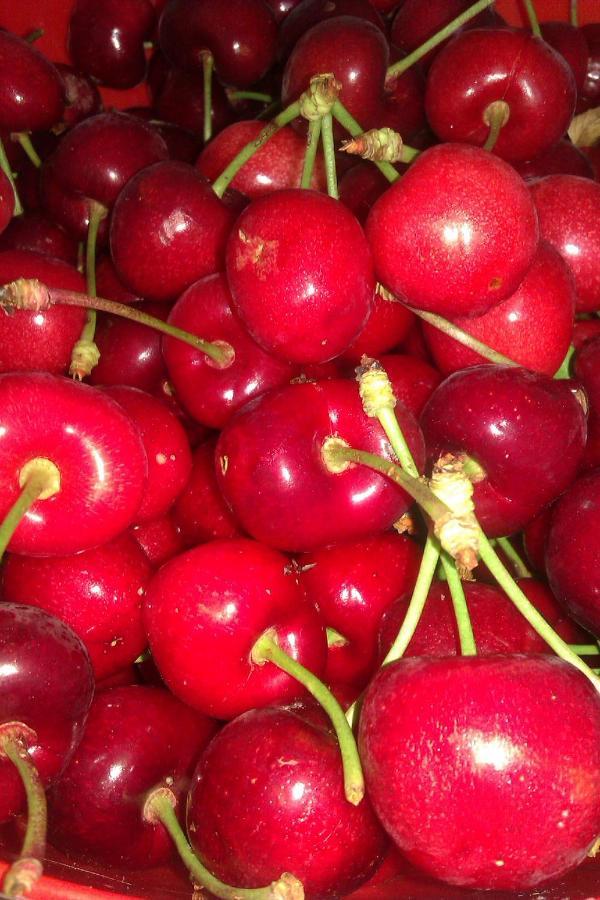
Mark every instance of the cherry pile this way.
pixel 300 446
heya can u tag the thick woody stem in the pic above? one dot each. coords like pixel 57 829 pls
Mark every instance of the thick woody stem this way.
pixel 381 144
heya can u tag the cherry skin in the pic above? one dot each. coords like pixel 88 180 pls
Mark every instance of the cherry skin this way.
pixel 130 353
pixel 202 647
pixel 39 340
pixel 166 445
pixel 7 201
pixel 360 187
pixel 300 273
pixel 310 12
pixel 159 539
pixel 573 551
pixel 475 777
pixel 534 326
pixel 413 379
pixel 167 230
pixel 137 738
pixel 388 324
pixel 96 448
pixel 31 92
pixel 272 473
pixel 82 97
pixel 586 368
pixel 98 593
pixel 47 684
pixel 571 43
pixel 107 40
pixel 280 772
pixel 510 65
pixel 568 208
pixel 208 392
pixel 589 95
pixel 36 231
pixel 526 430
pixel 180 101
pixel 562 158
pixel 353 584
pixel 458 249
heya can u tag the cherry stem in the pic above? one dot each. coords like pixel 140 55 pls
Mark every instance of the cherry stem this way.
pixel 5 166
pixel 389 422
pixel 403 64
pixel 496 116
pixel 31 294
pixel 533 19
pixel 429 561
pixel 208 63
pixel 528 611
pixel 310 154
pixel 347 121
pixel 267 649
pixel 287 115
pixel 27 869
pixel 25 141
pixel 463 337
pixel 565 367
pixel 249 95
pixel 34 486
pixel 329 154
pixel 518 564
pixel 159 807
pixel 585 649
pixel 574 16
pixel 466 637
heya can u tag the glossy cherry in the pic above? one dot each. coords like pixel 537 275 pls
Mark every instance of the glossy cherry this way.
pixel 475 777
pixel 93 445
pixel 130 353
pixel 180 101
pixel 300 273
pixel 31 92
pixel 202 647
pixel 159 540
pixel 388 324
pixel 310 12
pixel 458 249
pixel 572 44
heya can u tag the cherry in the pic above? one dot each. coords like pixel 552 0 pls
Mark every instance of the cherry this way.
pixel 567 208
pixel 34 230
pixel 160 539
pixel 280 772
pixel 462 248
pixel 137 738
pixel 167 230
pixel 47 684
pixel 353 584
pixel 533 326
pixel 300 273
pixel 39 340
pixel 180 101
pixel 482 67
pixel 89 452
pixel 277 165
pixel 562 158
pixel 71 210
pixel 107 40
pixel 586 368
pixel 310 12
pixel 271 468
pixel 205 610
pixel 360 187
pixel 388 324
pixel 404 101
pixel 166 445
pixel 98 593
pixel 31 92
pixel 413 379
pixel 589 95
pixel 525 431
pixel 473 777
pixel 240 36
pixel 571 43
pixel 130 353
pixel 208 392
pixel 7 201
pixel 572 551
pixel 82 97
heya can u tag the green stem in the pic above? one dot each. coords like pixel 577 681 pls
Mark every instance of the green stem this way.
pixel 461 610
pixel 25 142
pixel 527 609
pixel 403 64
pixel 310 154
pixel 286 116
pixel 429 561
pixel 5 166
pixel 564 371
pixel 249 95
pixel 347 121
pixel 574 14
pixel 34 36
pixel 521 570
pixel 30 492
pixel 266 648
pixel 27 869
pixel 207 72
pixel 329 154
pixel 497 120
pixel 463 337
pixel 159 807
pixel 533 19
pixel 389 422
pixel 585 649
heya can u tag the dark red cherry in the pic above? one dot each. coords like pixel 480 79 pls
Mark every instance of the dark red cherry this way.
pixel 167 230
pixel 360 187
pixel 36 231
pixel 586 368
pixel 563 158
pixel 462 247
pixel 98 593
pixel 483 66
pixel 7 201
pixel 82 97
pixel 310 12
pixel 180 101
pixel 95 449
pixel 137 738
pixel 106 40
pixel 240 35
pixel 589 96
pixel 47 684
pixel 475 777
pixel 413 379
pixel 271 774
pixel 300 273
pixel 31 90
pixel 271 469
pixel 571 43
pixel 388 324
pixel 534 326
pixel 205 610
pixel 130 353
